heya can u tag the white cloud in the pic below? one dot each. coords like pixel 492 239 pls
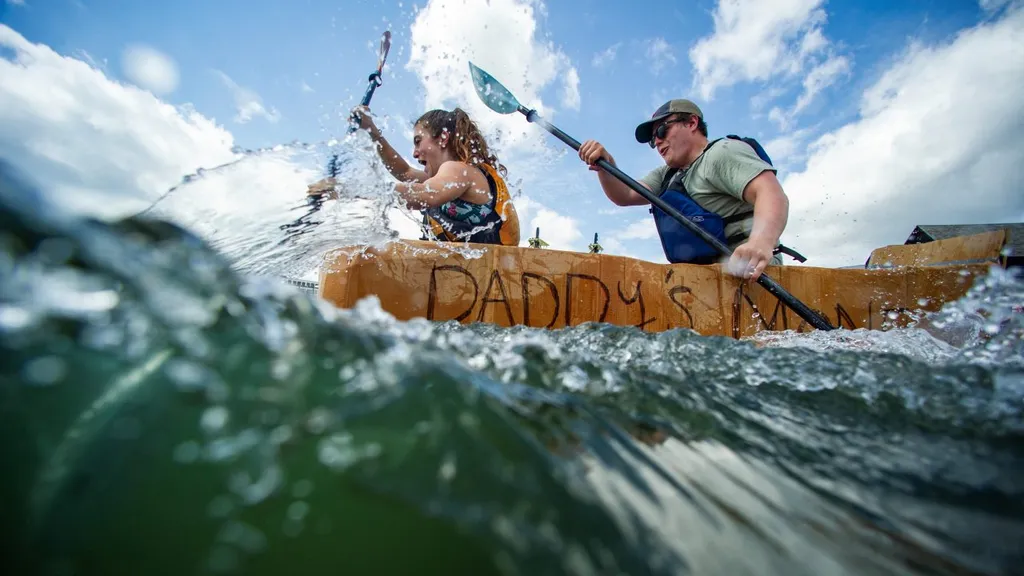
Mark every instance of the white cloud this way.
pixel 16 2
pixel 821 77
pixel 623 241
pixel 639 230
pixel 660 55
pixel 91 143
pixel 501 37
pixel 755 40
pixel 993 5
pixel 306 87
pixel 561 232
pixel 763 97
pixel 571 90
pixel 150 69
pixel 615 247
pixel 247 102
pixel 606 56
pixel 788 148
pixel 779 117
pixel 939 140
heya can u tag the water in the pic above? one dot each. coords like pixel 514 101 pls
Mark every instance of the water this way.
pixel 168 408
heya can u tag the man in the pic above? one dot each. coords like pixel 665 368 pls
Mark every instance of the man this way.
pixel 728 178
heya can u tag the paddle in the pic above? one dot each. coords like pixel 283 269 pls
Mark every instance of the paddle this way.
pixel 499 99
pixel 375 77
pixel 333 166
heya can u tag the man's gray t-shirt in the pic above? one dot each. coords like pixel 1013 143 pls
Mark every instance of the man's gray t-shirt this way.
pixel 716 181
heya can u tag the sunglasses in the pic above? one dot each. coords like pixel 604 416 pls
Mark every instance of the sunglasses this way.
pixel 662 130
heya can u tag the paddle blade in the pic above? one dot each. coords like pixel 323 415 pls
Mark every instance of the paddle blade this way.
pixel 385 47
pixel 494 95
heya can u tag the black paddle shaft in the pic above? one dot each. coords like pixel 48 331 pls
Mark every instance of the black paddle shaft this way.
pixel 773 287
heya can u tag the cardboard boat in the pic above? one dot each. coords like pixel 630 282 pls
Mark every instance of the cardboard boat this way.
pixel 553 289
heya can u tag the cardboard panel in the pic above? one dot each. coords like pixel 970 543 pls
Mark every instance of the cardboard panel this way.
pixel 974 249
pixel 549 288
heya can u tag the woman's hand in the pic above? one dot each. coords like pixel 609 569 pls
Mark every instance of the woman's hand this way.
pixel 365 119
pixel 327 186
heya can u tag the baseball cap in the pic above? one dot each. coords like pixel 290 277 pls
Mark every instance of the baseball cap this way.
pixel 677 106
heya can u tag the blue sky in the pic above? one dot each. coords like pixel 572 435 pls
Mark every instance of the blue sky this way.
pixel 299 66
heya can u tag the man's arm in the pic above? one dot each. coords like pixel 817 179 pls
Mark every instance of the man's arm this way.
pixel 771 208
pixel 771 212
pixel 616 190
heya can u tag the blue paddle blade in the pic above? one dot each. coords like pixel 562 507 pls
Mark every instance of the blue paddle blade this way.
pixel 494 95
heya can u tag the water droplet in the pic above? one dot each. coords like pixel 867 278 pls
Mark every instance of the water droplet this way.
pixel 223 560
pixel 281 369
pixel 302 489
pixel 254 492
pixel 372 450
pixel 214 419
pixel 44 370
pixel 298 510
pixel 347 372
pixel 187 375
pixel 336 451
pixel 292 528
pixel 220 507
pixel 468 420
pixel 319 420
pixel 281 434
pixel 187 452
pixel 14 318
pixel 447 471
pixel 247 537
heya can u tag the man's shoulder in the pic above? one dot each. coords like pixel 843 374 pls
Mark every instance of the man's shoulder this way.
pixel 659 171
pixel 656 177
pixel 724 147
pixel 726 153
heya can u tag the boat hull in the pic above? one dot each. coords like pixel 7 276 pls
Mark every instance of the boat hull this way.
pixel 511 286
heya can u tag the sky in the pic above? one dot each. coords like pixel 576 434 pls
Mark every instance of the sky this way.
pixel 879 115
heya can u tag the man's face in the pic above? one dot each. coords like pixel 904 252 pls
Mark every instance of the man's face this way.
pixel 673 137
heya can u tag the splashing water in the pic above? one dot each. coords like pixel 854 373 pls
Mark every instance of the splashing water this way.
pixel 255 213
pixel 164 412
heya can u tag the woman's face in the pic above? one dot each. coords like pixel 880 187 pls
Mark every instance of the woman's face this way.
pixel 428 150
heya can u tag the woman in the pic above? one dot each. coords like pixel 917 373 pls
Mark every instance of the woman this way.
pixel 461 189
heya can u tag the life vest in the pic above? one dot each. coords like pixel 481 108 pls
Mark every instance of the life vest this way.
pixel 679 243
pixel 500 226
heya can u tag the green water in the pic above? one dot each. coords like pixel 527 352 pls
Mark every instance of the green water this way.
pixel 162 414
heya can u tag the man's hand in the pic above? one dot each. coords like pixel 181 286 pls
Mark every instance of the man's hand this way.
pixel 591 151
pixel 749 259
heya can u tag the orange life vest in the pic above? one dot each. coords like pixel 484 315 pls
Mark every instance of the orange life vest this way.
pixel 503 217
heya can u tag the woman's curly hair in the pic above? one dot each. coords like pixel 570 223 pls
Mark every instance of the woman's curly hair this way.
pixel 464 137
